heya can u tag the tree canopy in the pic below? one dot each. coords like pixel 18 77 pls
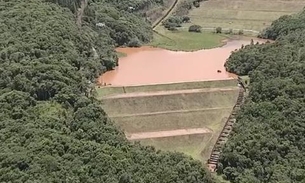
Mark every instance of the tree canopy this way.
pixel 268 142
pixel 51 127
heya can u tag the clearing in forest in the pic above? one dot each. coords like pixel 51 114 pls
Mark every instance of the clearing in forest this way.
pixel 242 14
pixel 182 40
pixel 184 117
pixel 246 16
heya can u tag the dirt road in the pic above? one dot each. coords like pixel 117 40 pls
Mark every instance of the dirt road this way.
pixel 80 12
pixel 166 15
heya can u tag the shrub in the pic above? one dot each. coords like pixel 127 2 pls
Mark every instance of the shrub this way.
pixel 196 4
pixel 185 19
pixel 170 26
pixel 218 30
pixel 172 22
pixel 172 29
pixel 134 42
pixel 195 28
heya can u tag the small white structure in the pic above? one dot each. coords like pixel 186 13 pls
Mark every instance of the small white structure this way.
pixel 100 24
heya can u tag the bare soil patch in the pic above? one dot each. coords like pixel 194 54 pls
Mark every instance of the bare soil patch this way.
pixel 160 134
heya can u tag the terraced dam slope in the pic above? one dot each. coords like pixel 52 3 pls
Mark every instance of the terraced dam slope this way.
pixel 184 117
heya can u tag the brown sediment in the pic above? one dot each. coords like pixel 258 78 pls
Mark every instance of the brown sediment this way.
pixel 160 134
pixel 148 65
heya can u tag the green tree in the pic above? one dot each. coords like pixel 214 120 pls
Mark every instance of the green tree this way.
pixel 218 30
pixel 195 28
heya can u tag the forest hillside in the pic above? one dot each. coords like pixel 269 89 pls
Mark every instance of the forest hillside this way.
pixel 51 127
pixel 268 143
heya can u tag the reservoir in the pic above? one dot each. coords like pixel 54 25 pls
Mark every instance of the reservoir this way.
pixel 148 65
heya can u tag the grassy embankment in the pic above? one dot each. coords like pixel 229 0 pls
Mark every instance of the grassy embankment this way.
pixel 113 90
pixel 205 108
pixel 190 145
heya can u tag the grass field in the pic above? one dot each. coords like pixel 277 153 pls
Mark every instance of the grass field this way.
pixel 114 90
pixel 182 40
pixel 250 16
pixel 192 145
pixel 208 118
pixel 159 103
pixel 247 14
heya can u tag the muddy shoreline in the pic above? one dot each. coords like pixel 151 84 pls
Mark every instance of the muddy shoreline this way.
pixel 151 65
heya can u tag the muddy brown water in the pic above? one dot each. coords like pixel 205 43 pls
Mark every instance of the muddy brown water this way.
pixel 147 65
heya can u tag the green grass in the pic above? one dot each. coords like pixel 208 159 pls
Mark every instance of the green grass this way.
pixel 191 145
pixel 245 80
pixel 182 40
pixel 108 91
pixel 211 119
pixel 173 121
pixel 113 90
pixel 219 179
pixel 120 54
pixel 49 110
pixel 236 14
pixel 159 103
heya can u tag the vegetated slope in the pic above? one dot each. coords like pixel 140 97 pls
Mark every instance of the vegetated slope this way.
pixel 114 90
pixel 124 27
pixel 268 144
pixel 123 20
pixel 123 105
pixel 193 145
pixel 177 14
pixel 173 113
pixel 51 129
pixel 200 118
pixel 151 9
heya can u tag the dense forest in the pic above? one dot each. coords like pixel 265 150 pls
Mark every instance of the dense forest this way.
pixel 268 143
pixel 51 127
pixel 123 19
